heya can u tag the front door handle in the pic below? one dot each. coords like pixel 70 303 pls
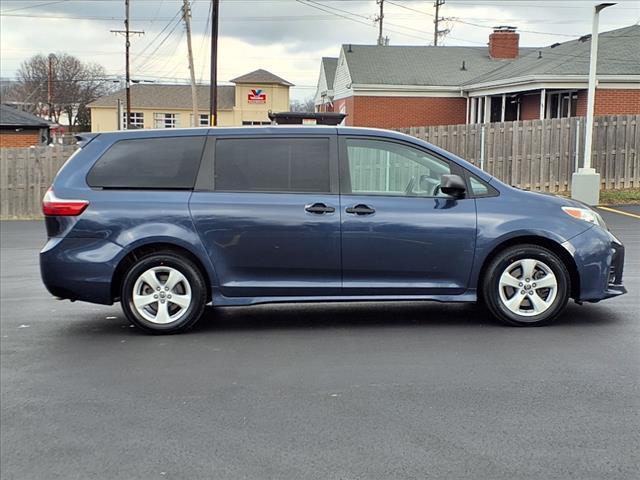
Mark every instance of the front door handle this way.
pixel 360 209
pixel 319 208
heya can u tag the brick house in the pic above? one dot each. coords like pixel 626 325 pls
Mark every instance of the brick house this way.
pixel 21 129
pixel 402 86
pixel 324 91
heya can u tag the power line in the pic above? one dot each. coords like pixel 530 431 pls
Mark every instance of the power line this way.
pixel 173 19
pixel 319 6
pixel 33 6
pixel 146 62
pixel 461 20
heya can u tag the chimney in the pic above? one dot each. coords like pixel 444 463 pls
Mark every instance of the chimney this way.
pixel 503 42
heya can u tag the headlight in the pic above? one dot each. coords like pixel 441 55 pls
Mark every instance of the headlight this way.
pixel 585 214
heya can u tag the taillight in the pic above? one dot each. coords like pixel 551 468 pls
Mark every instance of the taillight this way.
pixel 54 206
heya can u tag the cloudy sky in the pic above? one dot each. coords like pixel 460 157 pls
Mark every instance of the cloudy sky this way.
pixel 287 37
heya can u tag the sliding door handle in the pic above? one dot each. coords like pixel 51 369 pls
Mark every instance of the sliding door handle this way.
pixel 360 209
pixel 319 208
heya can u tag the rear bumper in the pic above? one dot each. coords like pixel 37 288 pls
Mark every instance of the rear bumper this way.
pixel 80 268
pixel 599 256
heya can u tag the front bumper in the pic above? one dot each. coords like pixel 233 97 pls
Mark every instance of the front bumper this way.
pixel 599 257
pixel 614 285
pixel 80 268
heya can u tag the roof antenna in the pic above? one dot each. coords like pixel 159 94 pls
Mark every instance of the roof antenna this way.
pixel 464 67
pixel 539 53
pixel 349 50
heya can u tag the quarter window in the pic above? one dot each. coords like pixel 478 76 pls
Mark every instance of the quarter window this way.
pixel 164 120
pixel 478 187
pixel 386 168
pixel 272 165
pixel 158 163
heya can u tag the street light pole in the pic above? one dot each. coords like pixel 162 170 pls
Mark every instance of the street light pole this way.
pixel 585 183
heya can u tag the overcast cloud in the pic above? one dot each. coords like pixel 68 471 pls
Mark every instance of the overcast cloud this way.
pixel 287 37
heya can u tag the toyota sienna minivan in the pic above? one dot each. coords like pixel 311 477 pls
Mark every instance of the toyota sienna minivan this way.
pixel 167 222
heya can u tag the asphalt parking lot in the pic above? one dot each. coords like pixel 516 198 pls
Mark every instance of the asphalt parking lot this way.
pixel 364 391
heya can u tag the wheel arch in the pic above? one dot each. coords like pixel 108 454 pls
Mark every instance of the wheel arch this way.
pixel 544 242
pixel 141 251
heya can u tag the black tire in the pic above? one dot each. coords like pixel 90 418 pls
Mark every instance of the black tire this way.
pixel 491 290
pixel 196 285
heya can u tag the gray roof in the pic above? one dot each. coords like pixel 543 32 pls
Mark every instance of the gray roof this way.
pixel 12 117
pixel 261 76
pixel 418 65
pixel 618 54
pixel 171 97
pixel 330 64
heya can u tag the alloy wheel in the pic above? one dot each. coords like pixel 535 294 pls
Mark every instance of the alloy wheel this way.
pixel 161 295
pixel 528 287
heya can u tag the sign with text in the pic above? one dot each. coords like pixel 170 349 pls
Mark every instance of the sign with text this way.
pixel 257 96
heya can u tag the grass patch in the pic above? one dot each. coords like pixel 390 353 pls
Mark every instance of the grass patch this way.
pixel 620 197
pixel 626 196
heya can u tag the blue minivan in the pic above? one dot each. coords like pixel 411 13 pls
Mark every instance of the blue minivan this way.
pixel 167 222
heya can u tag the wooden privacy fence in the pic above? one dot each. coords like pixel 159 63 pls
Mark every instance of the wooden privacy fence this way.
pixel 532 154
pixel 542 154
pixel 25 176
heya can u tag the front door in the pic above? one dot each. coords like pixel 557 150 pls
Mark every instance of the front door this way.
pixel 400 234
pixel 270 220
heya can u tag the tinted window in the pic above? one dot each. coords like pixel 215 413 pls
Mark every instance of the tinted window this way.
pixel 272 165
pixel 478 187
pixel 481 189
pixel 170 162
pixel 386 168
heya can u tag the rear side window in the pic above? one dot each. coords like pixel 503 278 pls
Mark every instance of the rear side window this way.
pixel 272 165
pixel 161 163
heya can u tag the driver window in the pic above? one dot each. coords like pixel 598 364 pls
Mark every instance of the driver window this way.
pixel 386 168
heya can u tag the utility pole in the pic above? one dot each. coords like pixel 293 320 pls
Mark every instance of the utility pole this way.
pixel 437 33
pixel 585 183
pixel 213 104
pixel 126 32
pixel 50 85
pixel 186 15
pixel 380 20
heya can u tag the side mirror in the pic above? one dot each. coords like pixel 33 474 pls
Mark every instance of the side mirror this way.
pixel 453 185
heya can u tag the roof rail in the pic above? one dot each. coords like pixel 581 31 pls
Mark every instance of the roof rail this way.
pixel 307 118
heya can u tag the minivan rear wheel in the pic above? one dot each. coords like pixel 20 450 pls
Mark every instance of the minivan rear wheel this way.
pixel 163 293
pixel 526 285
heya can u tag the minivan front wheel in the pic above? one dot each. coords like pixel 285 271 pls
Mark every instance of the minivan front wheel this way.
pixel 163 293
pixel 526 285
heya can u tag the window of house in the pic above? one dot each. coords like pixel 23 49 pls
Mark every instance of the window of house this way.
pixel 272 165
pixel 562 104
pixel 246 123
pixel 511 108
pixel 203 120
pixel 136 118
pixel 165 120
pixel 386 168
pixel 159 163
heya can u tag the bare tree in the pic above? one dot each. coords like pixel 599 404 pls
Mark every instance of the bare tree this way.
pixel 307 105
pixel 73 84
